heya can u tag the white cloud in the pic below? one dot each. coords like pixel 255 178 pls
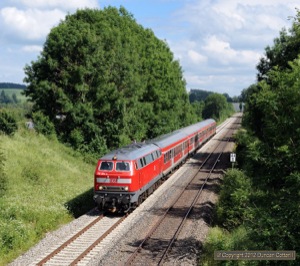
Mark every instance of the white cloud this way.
pixel 196 57
pixel 218 42
pixel 220 83
pixel 31 24
pixel 231 35
pixel 223 53
pixel 32 48
pixel 60 4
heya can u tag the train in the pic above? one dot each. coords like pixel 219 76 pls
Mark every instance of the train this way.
pixel 125 177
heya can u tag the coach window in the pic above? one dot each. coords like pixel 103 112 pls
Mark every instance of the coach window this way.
pixel 168 156
pixel 192 140
pixel 108 166
pixel 186 144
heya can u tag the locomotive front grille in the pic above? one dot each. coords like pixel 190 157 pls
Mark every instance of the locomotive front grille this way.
pixel 118 189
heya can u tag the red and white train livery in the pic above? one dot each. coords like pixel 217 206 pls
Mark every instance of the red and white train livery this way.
pixel 126 176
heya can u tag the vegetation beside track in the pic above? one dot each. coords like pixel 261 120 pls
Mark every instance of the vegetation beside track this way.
pixel 44 184
pixel 259 202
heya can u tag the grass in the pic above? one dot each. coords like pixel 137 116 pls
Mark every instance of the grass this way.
pixel 48 185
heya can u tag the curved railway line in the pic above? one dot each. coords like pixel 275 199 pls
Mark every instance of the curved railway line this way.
pixel 156 246
pixel 96 243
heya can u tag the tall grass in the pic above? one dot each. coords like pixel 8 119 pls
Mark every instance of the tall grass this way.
pixel 48 184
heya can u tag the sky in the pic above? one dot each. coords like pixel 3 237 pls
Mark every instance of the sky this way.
pixel 218 43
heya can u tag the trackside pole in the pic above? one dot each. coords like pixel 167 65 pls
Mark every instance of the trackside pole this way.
pixel 232 158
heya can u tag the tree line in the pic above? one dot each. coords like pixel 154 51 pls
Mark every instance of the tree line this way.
pixel 102 81
pixel 9 85
pixel 259 202
pixel 201 95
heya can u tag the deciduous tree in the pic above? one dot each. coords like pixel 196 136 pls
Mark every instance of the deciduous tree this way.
pixel 110 79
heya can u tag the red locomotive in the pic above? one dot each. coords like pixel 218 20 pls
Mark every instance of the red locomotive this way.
pixel 126 176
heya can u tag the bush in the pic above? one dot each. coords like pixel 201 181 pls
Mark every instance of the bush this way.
pixel 234 199
pixel 42 124
pixel 8 124
pixel 220 239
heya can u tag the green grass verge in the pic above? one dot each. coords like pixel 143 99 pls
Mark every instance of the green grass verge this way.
pixel 48 185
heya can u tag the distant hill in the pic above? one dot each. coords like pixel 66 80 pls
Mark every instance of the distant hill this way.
pixel 9 85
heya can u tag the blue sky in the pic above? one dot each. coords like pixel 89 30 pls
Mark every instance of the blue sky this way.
pixel 217 42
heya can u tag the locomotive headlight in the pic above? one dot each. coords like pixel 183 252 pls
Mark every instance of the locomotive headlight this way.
pixel 126 188
pixel 100 188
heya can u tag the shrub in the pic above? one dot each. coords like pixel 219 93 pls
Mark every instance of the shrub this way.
pixel 234 199
pixel 42 124
pixel 220 239
pixel 8 124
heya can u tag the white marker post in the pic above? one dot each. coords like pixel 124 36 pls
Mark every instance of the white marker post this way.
pixel 232 158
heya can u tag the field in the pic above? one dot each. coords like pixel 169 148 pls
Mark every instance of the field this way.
pixel 48 185
pixel 18 92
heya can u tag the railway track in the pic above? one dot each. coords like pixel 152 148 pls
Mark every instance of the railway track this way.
pixel 99 239
pixel 156 246
pixel 75 250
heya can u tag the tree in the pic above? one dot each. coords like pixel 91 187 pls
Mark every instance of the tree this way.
pixel 285 49
pixel 198 95
pixel 272 117
pixel 214 105
pixel 42 124
pixel 228 98
pixel 268 151
pixel 8 124
pixel 110 79
pixel 198 109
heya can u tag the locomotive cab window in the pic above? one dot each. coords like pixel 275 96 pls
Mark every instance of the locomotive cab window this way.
pixel 106 166
pixel 122 166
